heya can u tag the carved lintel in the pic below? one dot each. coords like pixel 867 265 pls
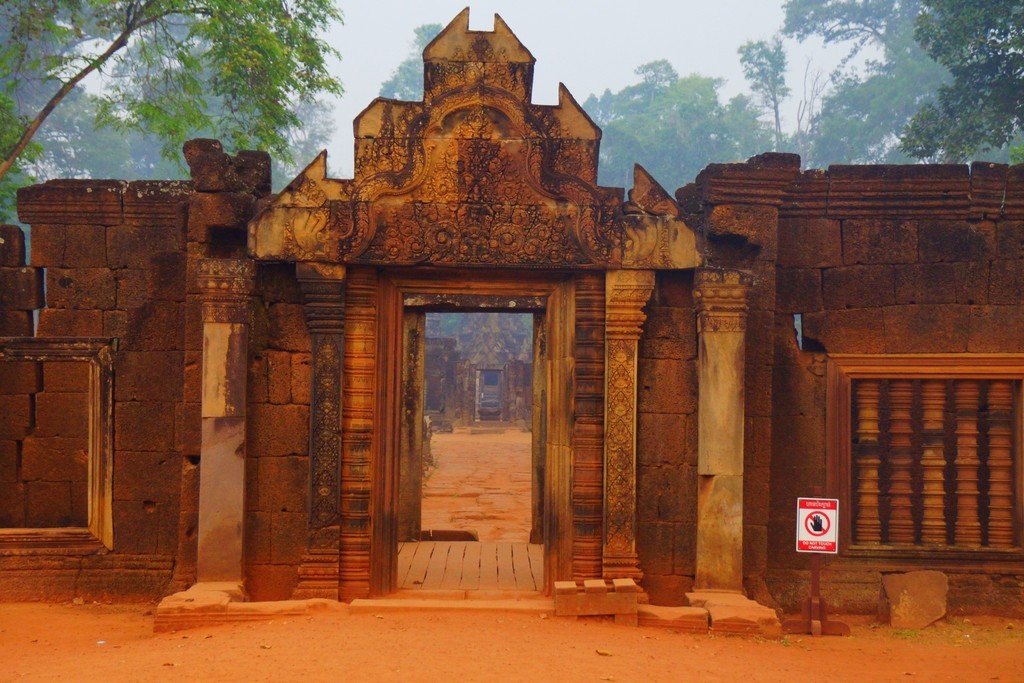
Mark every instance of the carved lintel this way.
pixel 324 291
pixel 225 286
pixel 720 297
pixel 626 293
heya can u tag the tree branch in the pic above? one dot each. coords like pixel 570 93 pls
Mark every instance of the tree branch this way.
pixel 132 25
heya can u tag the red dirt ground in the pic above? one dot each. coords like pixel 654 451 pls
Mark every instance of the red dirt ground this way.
pixel 481 483
pixel 115 642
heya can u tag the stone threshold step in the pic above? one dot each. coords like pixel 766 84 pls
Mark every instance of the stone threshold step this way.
pixel 463 594
pixel 382 605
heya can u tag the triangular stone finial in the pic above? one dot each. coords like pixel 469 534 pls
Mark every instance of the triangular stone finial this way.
pixel 649 196
pixel 457 43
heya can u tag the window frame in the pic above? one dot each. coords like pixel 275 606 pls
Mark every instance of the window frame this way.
pixel 842 369
pixel 99 531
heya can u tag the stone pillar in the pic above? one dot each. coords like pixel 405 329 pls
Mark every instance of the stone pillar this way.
pixel 323 287
pixel 225 286
pixel 626 294
pixel 721 302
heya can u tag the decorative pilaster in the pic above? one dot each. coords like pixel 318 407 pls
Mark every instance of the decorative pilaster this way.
pixel 226 286
pixel 721 302
pixel 323 287
pixel 588 428
pixel 358 400
pixel 626 293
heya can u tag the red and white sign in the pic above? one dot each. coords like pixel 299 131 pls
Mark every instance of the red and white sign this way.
pixel 817 525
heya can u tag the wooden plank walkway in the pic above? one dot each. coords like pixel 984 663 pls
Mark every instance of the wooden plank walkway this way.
pixel 464 565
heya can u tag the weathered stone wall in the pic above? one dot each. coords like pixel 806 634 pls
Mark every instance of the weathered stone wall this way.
pixel 667 440
pixel 881 260
pixel 278 471
pixel 114 261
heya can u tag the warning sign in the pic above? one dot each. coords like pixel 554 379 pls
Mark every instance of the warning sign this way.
pixel 817 525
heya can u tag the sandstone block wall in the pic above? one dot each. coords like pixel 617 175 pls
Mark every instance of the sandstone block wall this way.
pixel 667 440
pixel 43 444
pixel 881 260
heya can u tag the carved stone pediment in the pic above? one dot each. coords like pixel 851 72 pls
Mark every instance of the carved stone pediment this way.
pixel 474 175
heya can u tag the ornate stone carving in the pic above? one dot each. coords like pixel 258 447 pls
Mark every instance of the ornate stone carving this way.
pixel 720 297
pixel 324 290
pixel 627 291
pixel 475 174
pixel 225 286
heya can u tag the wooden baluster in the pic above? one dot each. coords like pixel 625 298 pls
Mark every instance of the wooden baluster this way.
pixel 869 527
pixel 968 526
pixel 1000 464
pixel 901 521
pixel 933 462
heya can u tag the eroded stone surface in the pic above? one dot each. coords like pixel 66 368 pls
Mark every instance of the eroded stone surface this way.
pixel 913 600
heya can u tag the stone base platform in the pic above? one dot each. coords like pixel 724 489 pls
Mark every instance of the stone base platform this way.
pixel 733 612
pixel 212 604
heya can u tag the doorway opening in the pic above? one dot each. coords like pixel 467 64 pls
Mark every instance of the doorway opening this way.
pixel 471 453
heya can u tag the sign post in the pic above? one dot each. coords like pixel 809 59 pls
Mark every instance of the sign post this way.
pixel 817 532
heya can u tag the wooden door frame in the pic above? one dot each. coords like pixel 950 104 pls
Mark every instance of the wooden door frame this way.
pixel 553 293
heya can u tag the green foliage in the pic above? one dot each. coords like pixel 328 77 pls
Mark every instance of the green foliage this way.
pixel 406 81
pixel 865 111
pixel 764 66
pixel 981 42
pixel 673 126
pixel 170 68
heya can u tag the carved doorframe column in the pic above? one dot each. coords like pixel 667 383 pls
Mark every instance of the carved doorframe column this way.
pixel 721 303
pixel 626 294
pixel 323 287
pixel 226 286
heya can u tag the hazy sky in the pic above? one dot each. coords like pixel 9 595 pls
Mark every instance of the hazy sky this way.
pixel 588 45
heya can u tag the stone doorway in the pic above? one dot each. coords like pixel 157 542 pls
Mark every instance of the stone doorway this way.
pixel 529 407
pixel 472 456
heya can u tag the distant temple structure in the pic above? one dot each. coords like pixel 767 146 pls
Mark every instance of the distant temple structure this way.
pixel 222 385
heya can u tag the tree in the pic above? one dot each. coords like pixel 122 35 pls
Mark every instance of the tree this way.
pixel 169 67
pixel 406 81
pixel 864 112
pixel 981 42
pixel 764 66
pixel 673 126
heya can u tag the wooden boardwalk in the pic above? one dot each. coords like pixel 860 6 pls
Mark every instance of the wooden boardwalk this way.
pixel 464 565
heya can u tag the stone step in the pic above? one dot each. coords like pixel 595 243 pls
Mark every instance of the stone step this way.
pixel 385 605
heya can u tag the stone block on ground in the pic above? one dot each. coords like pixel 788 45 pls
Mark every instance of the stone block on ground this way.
pixel 595 597
pixel 913 600
pixel 690 619
pixel 731 612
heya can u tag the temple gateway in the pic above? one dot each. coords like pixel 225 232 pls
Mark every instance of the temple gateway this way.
pixel 224 387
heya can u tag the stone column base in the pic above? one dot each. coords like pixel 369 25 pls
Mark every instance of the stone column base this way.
pixel 318 577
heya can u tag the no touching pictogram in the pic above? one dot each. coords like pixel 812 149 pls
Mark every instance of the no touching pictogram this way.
pixel 817 523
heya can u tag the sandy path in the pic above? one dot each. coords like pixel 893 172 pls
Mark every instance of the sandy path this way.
pixel 481 483
pixel 61 642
